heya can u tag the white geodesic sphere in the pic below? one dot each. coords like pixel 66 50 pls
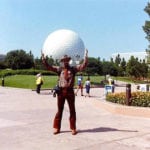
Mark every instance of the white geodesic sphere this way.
pixel 64 42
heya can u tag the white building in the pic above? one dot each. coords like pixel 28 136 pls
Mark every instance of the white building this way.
pixel 127 56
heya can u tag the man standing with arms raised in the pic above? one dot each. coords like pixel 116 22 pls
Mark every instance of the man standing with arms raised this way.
pixel 66 74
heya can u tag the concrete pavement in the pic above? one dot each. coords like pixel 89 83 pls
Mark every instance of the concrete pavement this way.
pixel 26 123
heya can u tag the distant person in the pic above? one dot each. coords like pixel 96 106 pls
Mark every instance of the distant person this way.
pixel 110 81
pixel 113 85
pixel 80 84
pixel 87 87
pixel 39 82
pixel 66 74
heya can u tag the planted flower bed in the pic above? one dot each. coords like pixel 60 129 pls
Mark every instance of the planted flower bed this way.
pixel 137 98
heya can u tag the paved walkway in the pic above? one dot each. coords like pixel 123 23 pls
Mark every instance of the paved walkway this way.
pixel 26 124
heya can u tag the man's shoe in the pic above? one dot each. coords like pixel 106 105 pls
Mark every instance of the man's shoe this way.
pixel 74 132
pixel 56 131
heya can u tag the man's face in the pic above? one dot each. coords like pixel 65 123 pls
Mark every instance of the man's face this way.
pixel 66 63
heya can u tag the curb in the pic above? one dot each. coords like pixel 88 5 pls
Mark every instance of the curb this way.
pixel 123 110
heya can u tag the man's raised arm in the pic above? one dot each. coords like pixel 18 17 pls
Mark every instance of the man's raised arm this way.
pixel 49 67
pixel 85 62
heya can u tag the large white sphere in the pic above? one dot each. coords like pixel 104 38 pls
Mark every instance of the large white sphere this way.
pixel 64 42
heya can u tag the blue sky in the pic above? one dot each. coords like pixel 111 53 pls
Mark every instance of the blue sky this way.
pixel 105 26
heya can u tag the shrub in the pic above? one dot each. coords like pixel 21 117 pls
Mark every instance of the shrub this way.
pixel 137 98
pixel 9 72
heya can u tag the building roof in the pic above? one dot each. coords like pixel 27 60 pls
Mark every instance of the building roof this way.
pixel 127 55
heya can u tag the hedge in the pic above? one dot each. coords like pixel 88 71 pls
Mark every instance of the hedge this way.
pixel 9 72
pixel 137 98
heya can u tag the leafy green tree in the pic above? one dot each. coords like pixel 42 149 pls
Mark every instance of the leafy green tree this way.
pixel 146 29
pixel 19 59
pixel 123 64
pixel 2 65
pixel 111 60
pixel 99 71
pixel 132 67
pixel 144 69
pixel 94 66
pixel 38 63
pixel 120 63
pixel 136 68
pixel 109 68
pixel 117 60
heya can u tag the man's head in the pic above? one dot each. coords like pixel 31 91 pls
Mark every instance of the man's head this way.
pixel 38 75
pixel 65 60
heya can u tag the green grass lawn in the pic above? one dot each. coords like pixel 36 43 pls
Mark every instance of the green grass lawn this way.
pixel 28 81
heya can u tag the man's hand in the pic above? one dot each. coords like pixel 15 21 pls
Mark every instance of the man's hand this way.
pixel 42 54
pixel 86 53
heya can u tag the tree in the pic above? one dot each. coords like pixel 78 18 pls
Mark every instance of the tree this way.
pixel 117 60
pixel 137 69
pixel 19 59
pixel 2 63
pixel 122 67
pixel 146 29
pixel 38 63
pixel 94 66
pixel 144 69
pixel 132 67
pixel 109 68
pixel 120 63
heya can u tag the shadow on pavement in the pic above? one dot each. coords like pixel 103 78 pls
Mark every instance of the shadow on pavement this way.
pixel 105 129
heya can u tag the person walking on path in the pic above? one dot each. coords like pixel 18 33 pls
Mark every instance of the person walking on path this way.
pixel 66 74
pixel 87 87
pixel 80 84
pixel 39 82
